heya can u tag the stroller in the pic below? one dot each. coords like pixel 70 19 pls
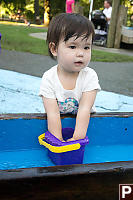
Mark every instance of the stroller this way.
pixel 100 24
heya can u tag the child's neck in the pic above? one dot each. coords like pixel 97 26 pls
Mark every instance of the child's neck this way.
pixel 67 79
pixel 66 73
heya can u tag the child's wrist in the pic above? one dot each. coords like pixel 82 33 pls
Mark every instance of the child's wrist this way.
pixel 77 137
pixel 60 138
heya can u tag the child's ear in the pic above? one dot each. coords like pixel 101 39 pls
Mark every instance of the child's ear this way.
pixel 53 48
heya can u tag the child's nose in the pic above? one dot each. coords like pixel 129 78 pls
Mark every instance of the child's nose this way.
pixel 80 52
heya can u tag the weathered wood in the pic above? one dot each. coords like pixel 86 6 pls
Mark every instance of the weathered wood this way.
pixel 44 116
pixel 94 181
pixel 127 35
pixel 127 40
pixel 113 23
pixel 121 17
pixel 66 170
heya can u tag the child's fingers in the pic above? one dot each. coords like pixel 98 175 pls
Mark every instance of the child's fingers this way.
pixel 71 139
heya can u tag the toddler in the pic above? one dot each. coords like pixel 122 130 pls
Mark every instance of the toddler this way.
pixel 70 86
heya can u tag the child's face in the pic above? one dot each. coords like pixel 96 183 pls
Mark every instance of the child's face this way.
pixel 74 54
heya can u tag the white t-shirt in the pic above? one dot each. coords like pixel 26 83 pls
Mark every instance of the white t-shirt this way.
pixel 68 100
pixel 107 12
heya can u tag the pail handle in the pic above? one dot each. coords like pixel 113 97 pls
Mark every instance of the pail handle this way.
pixel 58 149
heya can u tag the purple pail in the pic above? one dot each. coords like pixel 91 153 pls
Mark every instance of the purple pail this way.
pixel 65 153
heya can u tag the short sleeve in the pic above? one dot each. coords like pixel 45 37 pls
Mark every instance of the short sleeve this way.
pixel 91 81
pixel 108 12
pixel 108 15
pixel 47 88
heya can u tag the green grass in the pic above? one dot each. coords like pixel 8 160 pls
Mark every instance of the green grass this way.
pixel 102 56
pixel 17 38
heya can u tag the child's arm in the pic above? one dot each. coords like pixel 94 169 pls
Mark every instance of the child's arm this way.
pixel 66 8
pixel 73 8
pixel 53 117
pixel 83 115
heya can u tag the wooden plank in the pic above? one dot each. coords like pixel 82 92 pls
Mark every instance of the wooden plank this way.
pixel 113 22
pixel 98 182
pixel 66 170
pixel 120 21
pixel 127 40
pixel 44 116
pixel 127 35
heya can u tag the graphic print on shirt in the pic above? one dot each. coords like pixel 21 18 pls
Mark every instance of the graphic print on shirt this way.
pixel 69 106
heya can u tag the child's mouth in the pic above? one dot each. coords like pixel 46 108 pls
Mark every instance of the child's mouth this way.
pixel 79 63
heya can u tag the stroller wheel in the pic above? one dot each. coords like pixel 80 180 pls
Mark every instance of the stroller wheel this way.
pixel 104 42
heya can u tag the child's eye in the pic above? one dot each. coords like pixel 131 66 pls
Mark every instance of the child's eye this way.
pixel 87 47
pixel 72 47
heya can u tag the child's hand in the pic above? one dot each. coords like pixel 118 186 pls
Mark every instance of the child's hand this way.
pixel 71 139
pixel 62 140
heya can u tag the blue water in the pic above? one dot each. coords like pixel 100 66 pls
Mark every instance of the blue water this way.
pixel 110 153
pixel 24 159
pixel 111 140
pixel 39 158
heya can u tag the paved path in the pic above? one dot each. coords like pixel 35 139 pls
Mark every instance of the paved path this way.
pixel 114 77
pixel 43 36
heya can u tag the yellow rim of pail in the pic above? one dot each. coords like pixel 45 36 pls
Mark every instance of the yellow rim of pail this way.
pixel 56 149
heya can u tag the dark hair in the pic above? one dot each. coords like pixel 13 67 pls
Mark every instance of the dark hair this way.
pixel 67 25
pixel 109 2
